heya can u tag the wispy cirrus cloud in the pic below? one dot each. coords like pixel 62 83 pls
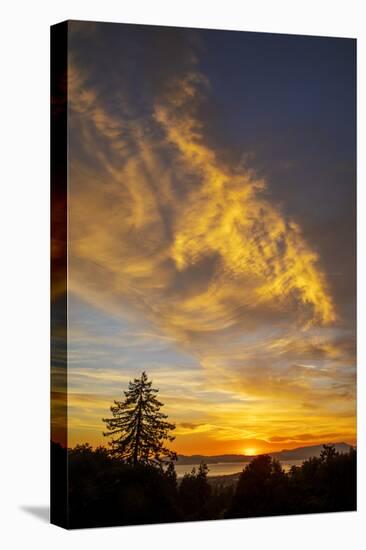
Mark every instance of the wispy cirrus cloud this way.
pixel 194 265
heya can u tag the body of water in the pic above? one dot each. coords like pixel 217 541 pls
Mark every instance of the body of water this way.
pixel 227 468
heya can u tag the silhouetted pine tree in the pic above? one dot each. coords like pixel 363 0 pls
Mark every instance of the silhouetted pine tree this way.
pixel 140 427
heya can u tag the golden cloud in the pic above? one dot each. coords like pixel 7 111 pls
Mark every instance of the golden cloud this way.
pixel 227 215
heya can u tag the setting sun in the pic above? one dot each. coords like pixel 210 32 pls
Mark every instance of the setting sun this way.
pixel 249 452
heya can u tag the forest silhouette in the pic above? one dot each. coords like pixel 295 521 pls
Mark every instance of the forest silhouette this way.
pixel 134 480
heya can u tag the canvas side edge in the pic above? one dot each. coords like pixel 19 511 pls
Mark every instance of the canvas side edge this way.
pixel 59 200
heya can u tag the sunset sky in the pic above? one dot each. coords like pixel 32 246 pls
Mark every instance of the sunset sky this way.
pixel 212 233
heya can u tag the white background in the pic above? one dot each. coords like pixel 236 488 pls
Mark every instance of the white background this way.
pixel 24 382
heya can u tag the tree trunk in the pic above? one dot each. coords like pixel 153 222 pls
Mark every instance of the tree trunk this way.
pixel 138 432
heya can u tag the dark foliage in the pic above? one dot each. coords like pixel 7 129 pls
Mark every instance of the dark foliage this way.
pixel 59 488
pixel 324 484
pixel 104 490
pixel 262 489
pixel 195 493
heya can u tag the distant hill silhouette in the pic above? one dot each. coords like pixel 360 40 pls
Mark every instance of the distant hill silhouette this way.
pixel 308 452
pixel 300 453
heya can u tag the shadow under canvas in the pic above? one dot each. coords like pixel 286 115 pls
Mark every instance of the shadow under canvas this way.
pixel 40 512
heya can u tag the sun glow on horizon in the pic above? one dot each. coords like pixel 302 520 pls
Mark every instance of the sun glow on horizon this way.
pixel 250 451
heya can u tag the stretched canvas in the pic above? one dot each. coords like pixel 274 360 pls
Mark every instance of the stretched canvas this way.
pixel 203 307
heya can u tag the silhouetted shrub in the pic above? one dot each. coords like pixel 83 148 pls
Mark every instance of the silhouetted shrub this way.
pixel 194 494
pixel 105 491
pixel 262 489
